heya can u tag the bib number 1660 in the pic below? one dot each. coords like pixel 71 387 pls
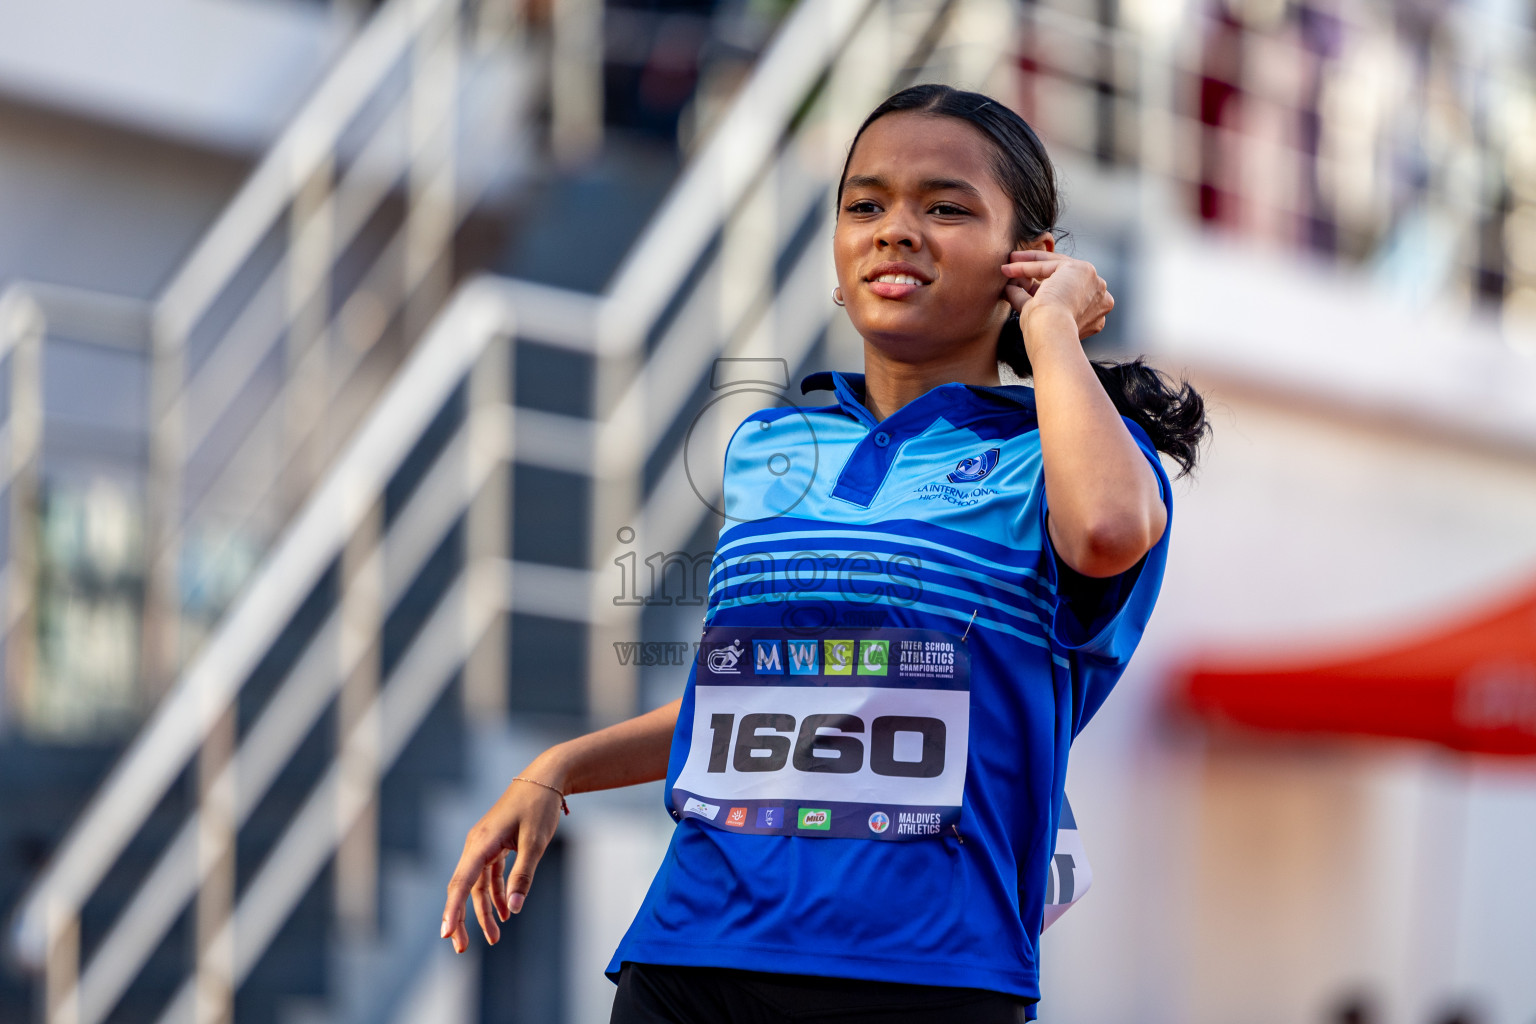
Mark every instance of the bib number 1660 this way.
pixel 763 744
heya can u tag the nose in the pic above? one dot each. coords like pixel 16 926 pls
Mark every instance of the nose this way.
pixel 896 230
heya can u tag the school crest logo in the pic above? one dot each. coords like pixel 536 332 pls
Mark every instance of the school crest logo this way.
pixel 974 468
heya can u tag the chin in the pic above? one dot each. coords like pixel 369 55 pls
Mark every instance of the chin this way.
pixel 907 334
pixel 906 347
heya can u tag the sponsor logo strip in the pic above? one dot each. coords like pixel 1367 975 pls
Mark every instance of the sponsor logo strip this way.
pixel 916 658
pixel 829 819
pixel 960 616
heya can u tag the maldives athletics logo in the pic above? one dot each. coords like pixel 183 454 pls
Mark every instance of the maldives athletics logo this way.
pixel 879 822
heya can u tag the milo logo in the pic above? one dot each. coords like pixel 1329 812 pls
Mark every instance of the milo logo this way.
pixel 817 818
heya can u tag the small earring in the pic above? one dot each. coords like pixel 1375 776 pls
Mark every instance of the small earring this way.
pixel 837 296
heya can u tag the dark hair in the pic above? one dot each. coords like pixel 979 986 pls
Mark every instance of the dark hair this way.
pixel 1172 413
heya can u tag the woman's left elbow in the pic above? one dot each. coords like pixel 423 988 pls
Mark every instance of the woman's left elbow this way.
pixel 1116 545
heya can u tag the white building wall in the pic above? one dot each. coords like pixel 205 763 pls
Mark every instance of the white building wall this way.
pixel 98 208
pixel 125 126
pixel 224 74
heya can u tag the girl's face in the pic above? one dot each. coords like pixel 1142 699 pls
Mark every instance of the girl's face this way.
pixel 923 231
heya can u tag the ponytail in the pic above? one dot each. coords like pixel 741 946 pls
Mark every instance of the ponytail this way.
pixel 1172 413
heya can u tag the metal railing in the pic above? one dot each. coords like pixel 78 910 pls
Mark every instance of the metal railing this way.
pixel 329 262
pixel 290 314
pixel 31 314
pixel 237 762
pixel 21 342
pixel 735 265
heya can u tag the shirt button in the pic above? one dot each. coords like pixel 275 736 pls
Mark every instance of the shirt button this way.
pixel 882 438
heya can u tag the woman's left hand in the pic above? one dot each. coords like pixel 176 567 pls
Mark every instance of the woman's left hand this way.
pixel 1042 278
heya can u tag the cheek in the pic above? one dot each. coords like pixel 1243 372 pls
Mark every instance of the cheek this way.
pixel 845 252
pixel 977 277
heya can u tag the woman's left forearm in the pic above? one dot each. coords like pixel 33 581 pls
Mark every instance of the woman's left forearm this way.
pixel 1105 506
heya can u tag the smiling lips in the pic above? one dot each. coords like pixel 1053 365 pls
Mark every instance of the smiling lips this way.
pixel 895 280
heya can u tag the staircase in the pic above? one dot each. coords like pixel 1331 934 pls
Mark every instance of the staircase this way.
pixel 272 845
pixel 265 350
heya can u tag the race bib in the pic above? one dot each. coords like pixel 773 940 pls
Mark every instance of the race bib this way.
pixel 856 735
pixel 1070 874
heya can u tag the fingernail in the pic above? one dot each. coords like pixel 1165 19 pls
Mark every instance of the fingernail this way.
pixel 443 933
pixel 515 902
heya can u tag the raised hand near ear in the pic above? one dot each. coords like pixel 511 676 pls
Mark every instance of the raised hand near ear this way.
pixel 1038 277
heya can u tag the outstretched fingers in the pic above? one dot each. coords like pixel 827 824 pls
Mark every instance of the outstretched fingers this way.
pixel 481 852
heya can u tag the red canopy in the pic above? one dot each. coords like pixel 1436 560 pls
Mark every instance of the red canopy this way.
pixel 1470 686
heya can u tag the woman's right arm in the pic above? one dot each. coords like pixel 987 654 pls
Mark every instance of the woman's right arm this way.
pixel 523 819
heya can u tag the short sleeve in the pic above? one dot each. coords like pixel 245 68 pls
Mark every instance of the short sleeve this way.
pixel 1105 618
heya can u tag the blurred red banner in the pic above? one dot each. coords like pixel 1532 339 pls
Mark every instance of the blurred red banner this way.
pixel 1470 686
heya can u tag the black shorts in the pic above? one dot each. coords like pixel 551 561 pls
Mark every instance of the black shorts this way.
pixel 656 994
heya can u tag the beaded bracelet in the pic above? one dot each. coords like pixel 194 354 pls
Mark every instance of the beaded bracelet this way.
pixel 547 786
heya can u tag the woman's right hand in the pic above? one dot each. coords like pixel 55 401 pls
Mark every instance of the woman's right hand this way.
pixel 521 822
pixel 523 819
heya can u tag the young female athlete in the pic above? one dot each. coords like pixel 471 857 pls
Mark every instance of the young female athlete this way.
pixel 900 645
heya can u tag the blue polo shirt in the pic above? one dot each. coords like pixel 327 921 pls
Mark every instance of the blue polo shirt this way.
pixel 868 764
